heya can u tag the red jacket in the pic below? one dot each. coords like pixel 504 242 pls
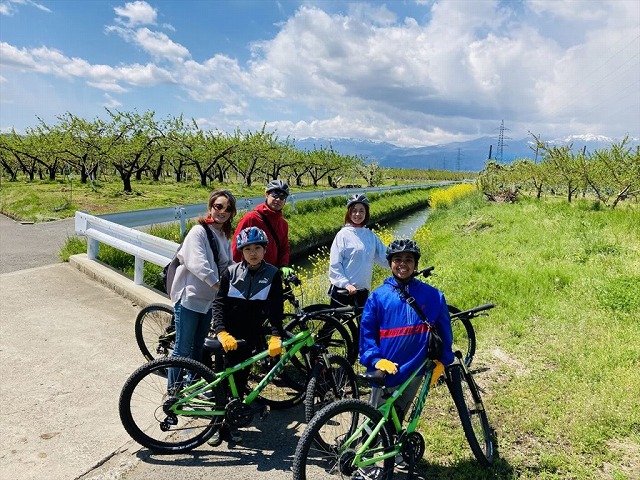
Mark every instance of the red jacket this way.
pixel 274 255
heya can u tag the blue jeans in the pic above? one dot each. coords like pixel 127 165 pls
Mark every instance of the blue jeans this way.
pixel 191 330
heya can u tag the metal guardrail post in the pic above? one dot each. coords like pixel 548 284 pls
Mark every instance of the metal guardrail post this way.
pixel 183 222
pixel 138 271
pixel 93 248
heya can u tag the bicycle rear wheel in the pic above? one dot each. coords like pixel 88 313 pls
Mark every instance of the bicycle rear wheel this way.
pixel 329 383
pixel 283 391
pixel 145 406
pixel 155 331
pixel 472 414
pixel 326 450
pixel 464 336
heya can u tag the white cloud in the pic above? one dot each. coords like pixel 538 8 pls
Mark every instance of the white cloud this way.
pixel 160 45
pixel 111 102
pixel 136 13
pixel 9 7
pixel 108 87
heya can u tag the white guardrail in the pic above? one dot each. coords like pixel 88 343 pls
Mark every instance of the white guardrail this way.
pixel 114 229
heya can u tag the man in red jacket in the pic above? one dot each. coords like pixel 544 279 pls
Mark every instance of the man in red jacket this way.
pixel 268 217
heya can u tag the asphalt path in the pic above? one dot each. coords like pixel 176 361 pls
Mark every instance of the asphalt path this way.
pixel 66 348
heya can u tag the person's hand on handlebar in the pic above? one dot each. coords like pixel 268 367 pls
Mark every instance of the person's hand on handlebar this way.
pixel 387 366
pixel 228 341
pixel 351 289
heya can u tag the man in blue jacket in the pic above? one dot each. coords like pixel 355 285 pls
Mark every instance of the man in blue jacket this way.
pixel 393 338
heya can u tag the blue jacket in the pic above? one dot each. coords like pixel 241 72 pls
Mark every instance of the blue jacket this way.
pixel 391 329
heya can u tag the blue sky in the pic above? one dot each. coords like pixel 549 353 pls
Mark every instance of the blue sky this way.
pixel 407 72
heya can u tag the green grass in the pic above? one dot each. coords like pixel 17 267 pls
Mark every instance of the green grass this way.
pixel 558 358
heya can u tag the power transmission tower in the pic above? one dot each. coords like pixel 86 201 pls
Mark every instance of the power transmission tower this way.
pixel 458 161
pixel 501 144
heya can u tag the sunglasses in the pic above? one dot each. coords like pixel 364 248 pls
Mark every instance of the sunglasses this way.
pixel 220 208
pixel 278 194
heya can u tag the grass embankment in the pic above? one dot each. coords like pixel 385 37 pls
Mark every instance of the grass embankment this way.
pixel 558 358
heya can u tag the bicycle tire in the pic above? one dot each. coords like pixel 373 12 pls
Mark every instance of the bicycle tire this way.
pixel 473 416
pixel 155 331
pixel 328 384
pixel 337 341
pixel 144 401
pixel 464 336
pixel 320 452
pixel 282 391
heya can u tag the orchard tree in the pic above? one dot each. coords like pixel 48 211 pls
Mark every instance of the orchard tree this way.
pixel 83 144
pixel 253 151
pixel 132 141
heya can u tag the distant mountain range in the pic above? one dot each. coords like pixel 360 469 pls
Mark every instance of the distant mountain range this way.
pixel 466 156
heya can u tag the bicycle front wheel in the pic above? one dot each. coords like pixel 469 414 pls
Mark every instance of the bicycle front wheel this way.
pixel 328 446
pixel 145 406
pixel 464 336
pixel 472 414
pixel 155 331
pixel 329 383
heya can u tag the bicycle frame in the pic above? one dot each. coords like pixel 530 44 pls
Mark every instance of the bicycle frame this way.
pixel 388 411
pixel 291 346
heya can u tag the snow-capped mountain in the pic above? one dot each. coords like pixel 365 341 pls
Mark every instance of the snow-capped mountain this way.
pixel 467 156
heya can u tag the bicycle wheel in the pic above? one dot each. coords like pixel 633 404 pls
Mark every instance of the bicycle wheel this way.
pixel 145 406
pixel 326 450
pixel 464 336
pixel 472 414
pixel 283 391
pixel 329 333
pixel 155 331
pixel 328 384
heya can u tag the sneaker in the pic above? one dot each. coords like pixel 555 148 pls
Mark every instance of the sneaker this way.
pixel 372 472
pixel 235 436
pixel 399 460
pixel 216 439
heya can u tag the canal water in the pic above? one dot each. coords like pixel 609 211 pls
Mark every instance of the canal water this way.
pixel 404 227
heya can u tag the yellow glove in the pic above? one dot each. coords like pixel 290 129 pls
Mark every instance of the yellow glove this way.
pixel 227 341
pixel 387 366
pixel 275 346
pixel 437 372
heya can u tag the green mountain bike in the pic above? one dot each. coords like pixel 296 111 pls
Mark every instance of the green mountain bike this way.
pixel 352 439
pixel 201 401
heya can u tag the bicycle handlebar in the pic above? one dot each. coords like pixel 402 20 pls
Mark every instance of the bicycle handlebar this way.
pixel 473 311
pixel 425 272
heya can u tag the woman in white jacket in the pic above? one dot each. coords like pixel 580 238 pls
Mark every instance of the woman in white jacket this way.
pixel 196 280
pixel 354 250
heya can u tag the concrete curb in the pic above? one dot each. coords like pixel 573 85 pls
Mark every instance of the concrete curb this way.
pixel 117 281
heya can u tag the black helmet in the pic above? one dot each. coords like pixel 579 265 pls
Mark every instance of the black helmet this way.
pixel 358 198
pixel 277 185
pixel 401 246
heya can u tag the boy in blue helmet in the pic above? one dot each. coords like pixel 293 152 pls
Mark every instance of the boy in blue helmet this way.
pixel 250 292
pixel 393 338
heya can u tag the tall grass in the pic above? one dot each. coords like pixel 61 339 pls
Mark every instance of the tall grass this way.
pixel 558 358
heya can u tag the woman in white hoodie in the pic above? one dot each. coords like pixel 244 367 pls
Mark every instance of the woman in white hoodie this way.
pixel 197 278
pixel 354 250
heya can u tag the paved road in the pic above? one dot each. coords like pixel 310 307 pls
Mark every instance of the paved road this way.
pixel 66 348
